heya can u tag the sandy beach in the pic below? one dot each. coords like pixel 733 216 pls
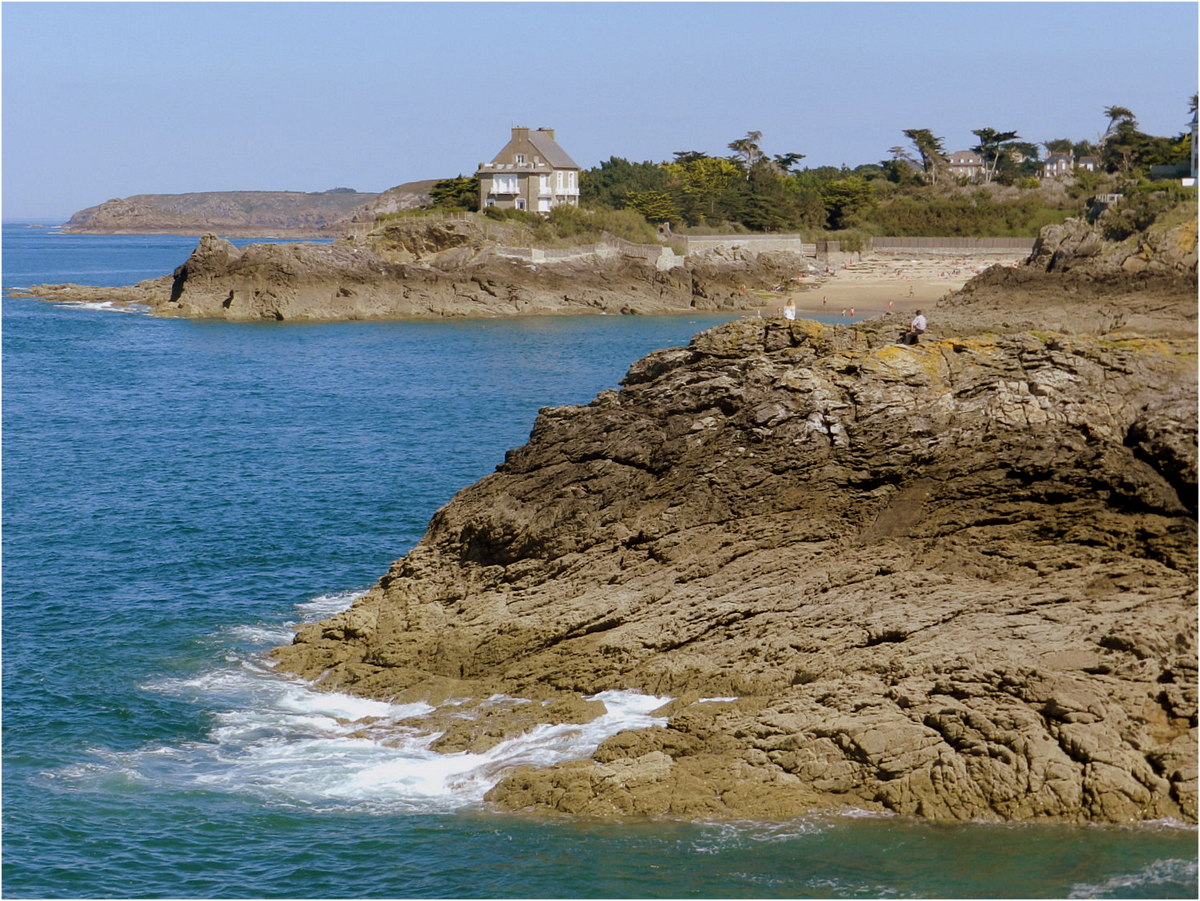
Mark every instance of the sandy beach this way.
pixel 869 285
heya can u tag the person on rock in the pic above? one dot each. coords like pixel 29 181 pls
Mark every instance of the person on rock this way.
pixel 915 330
pixel 789 309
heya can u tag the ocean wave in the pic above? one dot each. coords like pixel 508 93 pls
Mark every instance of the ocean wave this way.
pixel 106 306
pixel 1168 872
pixel 284 742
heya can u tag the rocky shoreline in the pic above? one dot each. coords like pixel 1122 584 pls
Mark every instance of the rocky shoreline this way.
pixel 350 281
pixel 955 580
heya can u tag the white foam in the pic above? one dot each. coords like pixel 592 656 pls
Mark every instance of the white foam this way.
pixel 281 740
pixel 106 306
pixel 1175 871
pixel 327 604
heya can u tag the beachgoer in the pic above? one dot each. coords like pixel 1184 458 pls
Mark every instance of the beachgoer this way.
pixel 915 330
pixel 789 309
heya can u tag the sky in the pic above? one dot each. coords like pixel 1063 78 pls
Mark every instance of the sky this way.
pixel 106 99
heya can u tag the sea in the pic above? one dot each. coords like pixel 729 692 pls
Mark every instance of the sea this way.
pixel 178 495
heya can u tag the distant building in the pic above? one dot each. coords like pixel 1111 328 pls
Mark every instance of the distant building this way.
pixel 1058 165
pixel 1090 163
pixel 965 164
pixel 531 172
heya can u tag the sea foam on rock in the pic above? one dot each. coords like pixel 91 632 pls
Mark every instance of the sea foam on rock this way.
pixel 954 580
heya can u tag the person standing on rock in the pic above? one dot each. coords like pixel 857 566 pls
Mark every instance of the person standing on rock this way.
pixel 789 309
pixel 915 330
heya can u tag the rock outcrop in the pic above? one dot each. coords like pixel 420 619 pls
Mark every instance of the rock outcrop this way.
pixel 1078 280
pixel 954 580
pixel 449 275
pixel 437 270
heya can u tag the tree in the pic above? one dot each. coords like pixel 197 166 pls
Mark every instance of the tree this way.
pixel 459 193
pixel 901 169
pixel 610 183
pixel 655 206
pixel 847 201
pixel 1127 148
pixel 1022 159
pixel 702 182
pixel 929 148
pixel 992 146
pixel 747 149
pixel 785 161
pixel 1117 116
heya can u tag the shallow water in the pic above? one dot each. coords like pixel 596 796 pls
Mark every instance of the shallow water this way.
pixel 177 494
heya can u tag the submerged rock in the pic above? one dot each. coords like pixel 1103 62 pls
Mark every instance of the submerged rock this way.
pixel 954 580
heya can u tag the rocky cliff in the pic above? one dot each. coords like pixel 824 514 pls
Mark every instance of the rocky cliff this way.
pixel 954 580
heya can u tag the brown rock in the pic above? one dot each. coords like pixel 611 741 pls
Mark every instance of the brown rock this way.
pixel 950 580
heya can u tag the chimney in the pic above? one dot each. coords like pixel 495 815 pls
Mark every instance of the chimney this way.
pixel 520 134
pixel 548 132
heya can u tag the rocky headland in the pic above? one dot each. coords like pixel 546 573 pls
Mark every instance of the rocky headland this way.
pixel 242 214
pixel 246 214
pixel 954 580
pixel 433 270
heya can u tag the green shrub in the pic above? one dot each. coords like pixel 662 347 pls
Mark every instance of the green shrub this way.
pixel 1135 213
pixel 968 217
pixel 589 226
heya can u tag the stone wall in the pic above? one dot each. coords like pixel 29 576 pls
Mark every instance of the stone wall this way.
pixel 700 244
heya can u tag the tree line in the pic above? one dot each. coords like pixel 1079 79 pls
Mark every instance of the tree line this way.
pixel 913 192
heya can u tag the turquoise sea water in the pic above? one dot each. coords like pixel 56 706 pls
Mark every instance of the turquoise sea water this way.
pixel 176 494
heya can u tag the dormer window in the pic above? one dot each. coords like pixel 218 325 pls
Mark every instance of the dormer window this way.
pixel 520 159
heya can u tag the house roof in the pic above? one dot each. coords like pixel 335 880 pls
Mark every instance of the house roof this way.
pixel 547 153
pixel 550 151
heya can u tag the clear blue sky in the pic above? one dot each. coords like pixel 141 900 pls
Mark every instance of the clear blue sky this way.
pixel 105 100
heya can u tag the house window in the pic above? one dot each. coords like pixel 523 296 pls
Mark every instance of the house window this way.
pixel 520 159
pixel 544 184
pixel 504 184
pixel 520 203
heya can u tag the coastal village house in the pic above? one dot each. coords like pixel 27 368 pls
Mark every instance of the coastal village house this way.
pixel 965 164
pixel 1059 165
pixel 531 172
